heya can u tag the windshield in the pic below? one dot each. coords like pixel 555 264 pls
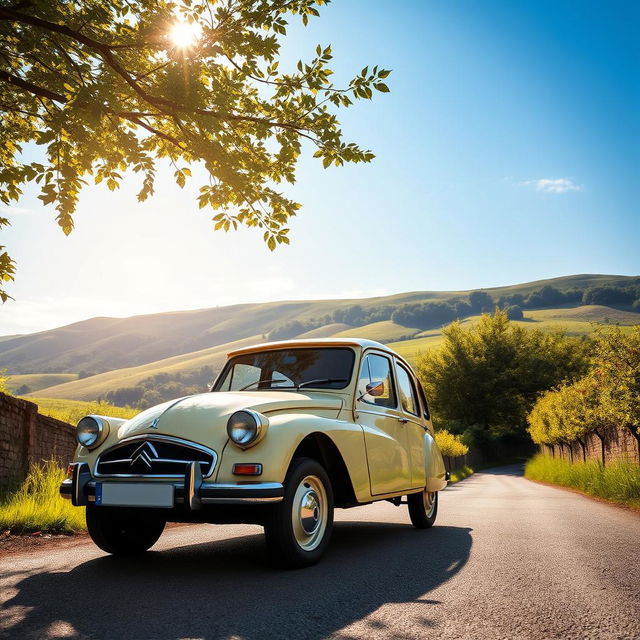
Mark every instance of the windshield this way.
pixel 319 368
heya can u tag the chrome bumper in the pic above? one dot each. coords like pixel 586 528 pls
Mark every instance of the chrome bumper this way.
pixel 192 492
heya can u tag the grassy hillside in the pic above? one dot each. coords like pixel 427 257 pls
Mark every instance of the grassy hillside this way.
pixel 37 381
pixel 578 320
pixel 72 410
pixel 96 386
pixel 104 344
pixel 326 331
pixel 385 331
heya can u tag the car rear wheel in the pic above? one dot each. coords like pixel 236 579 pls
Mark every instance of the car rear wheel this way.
pixel 121 532
pixel 298 529
pixel 423 508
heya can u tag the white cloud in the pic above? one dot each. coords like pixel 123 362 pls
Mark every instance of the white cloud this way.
pixel 553 185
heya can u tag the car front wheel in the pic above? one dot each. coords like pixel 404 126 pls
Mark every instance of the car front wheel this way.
pixel 423 508
pixel 298 529
pixel 121 532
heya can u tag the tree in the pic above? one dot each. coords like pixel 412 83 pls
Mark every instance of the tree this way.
pixel 514 312
pixel 480 300
pixel 565 415
pixel 3 381
pixel 491 374
pixel 617 371
pixel 609 295
pixel 548 296
pixel 114 85
pixel 605 399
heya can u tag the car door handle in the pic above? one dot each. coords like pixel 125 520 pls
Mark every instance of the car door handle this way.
pixel 403 420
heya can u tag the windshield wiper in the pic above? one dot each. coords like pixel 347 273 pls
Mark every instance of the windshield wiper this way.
pixel 308 383
pixel 253 384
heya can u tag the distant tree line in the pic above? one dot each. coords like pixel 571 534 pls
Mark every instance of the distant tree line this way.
pixel 161 387
pixel 429 315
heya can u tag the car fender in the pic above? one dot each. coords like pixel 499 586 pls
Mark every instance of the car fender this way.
pixel 434 464
pixel 285 433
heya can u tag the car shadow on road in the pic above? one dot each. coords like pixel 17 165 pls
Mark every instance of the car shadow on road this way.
pixel 228 588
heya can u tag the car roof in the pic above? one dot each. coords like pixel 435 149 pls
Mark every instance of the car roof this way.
pixel 312 342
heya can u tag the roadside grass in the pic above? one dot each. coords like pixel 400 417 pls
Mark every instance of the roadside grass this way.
pixel 618 482
pixel 37 506
pixel 461 474
pixel 72 410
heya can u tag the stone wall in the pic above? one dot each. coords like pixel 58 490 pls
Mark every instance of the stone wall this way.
pixel 616 444
pixel 26 435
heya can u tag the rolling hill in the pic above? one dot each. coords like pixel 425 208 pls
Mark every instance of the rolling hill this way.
pixel 123 352
pixel 103 344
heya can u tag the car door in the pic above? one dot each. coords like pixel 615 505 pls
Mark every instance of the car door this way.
pixel 416 425
pixel 384 429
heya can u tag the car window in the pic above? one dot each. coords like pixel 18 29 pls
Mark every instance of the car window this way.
pixel 308 368
pixel 374 369
pixel 406 391
pixel 425 404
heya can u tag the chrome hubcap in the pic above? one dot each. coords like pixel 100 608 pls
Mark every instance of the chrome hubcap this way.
pixel 429 498
pixel 309 513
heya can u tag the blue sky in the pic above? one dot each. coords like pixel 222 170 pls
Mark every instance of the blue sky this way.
pixel 508 150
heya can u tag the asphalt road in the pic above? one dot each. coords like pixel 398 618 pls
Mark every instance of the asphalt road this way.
pixel 507 559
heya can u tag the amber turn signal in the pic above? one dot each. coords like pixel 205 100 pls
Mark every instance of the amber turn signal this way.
pixel 247 469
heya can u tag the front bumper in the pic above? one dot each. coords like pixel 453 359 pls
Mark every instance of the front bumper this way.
pixel 192 492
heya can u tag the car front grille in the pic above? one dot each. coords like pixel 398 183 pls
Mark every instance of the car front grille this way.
pixel 154 456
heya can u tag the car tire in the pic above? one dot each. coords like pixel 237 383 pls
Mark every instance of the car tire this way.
pixel 423 508
pixel 123 533
pixel 298 528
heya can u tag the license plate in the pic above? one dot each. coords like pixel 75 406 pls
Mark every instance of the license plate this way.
pixel 134 494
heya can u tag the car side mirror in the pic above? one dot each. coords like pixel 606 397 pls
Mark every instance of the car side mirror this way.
pixel 375 389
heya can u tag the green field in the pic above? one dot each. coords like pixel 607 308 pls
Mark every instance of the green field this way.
pixel 105 344
pixel 96 386
pixel 72 410
pixel 130 350
pixel 327 331
pixel 385 331
pixel 37 381
pixel 576 321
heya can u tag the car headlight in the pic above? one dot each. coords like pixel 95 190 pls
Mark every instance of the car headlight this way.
pixel 91 431
pixel 246 427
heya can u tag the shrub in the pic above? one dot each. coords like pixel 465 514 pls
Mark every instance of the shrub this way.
pixel 37 505
pixel 461 473
pixel 451 445
pixel 514 312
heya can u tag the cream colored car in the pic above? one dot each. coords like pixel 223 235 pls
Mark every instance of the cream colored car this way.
pixel 289 431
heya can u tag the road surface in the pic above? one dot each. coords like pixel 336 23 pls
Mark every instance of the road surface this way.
pixel 507 559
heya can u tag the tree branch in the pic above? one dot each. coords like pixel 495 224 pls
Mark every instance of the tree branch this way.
pixel 105 51
pixel 32 88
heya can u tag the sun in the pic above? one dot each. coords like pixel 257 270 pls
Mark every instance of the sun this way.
pixel 185 34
